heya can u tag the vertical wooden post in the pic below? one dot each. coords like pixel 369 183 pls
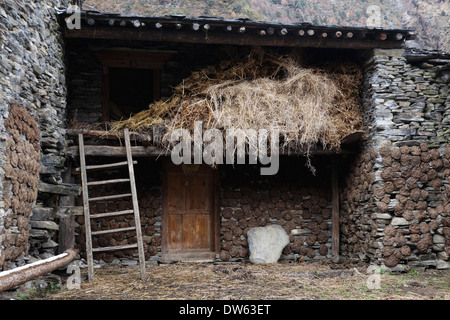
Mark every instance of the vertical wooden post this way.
pixel 87 217
pixel 335 210
pixel 66 222
pixel 105 94
pixel 135 206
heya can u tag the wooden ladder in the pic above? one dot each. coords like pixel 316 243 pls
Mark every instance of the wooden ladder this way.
pixel 87 216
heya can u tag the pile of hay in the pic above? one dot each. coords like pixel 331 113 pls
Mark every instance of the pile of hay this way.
pixel 309 106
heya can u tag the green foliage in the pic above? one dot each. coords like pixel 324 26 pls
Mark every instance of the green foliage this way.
pixel 413 272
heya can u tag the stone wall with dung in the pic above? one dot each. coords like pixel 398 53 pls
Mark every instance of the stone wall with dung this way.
pixel 402 216
pixel 32 120
pixel 294 199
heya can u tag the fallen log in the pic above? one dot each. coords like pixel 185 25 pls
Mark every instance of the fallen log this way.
pixel 17 276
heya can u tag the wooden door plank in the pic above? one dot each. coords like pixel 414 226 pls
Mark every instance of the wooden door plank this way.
pixel 188 233
pixel 202 232
pixel 175 227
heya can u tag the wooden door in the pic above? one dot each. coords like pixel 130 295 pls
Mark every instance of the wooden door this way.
pixel 190 216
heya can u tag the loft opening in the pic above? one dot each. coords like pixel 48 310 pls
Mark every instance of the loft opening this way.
pixel 130 82
pixel 130 91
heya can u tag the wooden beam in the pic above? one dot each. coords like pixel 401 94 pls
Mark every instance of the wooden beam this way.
pixel 63 188
pixel 152 151
pixel 110 151
pixel 334 211
pixel 244 38
pixel 107 135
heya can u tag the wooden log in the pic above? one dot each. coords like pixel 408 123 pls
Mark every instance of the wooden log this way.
pixel 20 275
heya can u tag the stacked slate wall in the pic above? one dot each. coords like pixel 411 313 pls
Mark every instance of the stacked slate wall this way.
pixel 32 122
pixel 406 220
pixel 294 199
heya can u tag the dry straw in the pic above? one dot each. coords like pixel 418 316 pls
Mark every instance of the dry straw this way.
pixel 310 106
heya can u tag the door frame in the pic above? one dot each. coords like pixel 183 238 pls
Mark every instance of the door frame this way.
pixel 190 255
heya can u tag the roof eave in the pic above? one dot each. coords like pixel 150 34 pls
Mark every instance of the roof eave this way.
pixel 211 30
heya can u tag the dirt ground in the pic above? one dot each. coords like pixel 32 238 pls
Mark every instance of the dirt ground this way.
pixel 245 281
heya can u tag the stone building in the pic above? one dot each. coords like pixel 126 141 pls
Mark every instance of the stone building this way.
pixel 382 198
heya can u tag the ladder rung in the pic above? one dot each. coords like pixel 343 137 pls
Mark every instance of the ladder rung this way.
pixel 114 248
pixel 117 196
pixel 106 166
pixel 110 214
pixel 96 183
pixel 113 230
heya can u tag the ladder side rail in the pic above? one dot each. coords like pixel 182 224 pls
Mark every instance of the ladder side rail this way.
pixel 135 206
pixel 87 219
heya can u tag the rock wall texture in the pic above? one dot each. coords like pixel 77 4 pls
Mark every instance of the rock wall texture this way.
pixel 32 77
pixel 395 205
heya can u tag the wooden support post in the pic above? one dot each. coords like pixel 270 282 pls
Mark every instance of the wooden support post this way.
pixel 67 222
pixel 335 211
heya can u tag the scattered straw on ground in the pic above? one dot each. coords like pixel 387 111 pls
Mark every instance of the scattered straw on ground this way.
pixel 284 281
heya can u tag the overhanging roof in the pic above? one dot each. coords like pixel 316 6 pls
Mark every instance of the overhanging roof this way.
pixel 209 30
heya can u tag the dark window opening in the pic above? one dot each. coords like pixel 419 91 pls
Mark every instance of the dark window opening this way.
pixel 130 91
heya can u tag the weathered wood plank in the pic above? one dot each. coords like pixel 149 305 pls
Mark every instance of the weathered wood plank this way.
pixel 112 231
pixel 335 211
pixel 245 39
pixel 63 188
pixel 107 135
pixel 87 220
pixel 135 206
pixel 106 166
pixel 62 211
pixel 111 151
pixel 116 196
pixel 97 183
pixel 114 248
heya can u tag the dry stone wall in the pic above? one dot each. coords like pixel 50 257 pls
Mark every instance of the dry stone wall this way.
pixel 31 76
pixel 407 112
pixel 19 186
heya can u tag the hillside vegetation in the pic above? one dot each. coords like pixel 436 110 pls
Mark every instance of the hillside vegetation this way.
pixel 430 18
